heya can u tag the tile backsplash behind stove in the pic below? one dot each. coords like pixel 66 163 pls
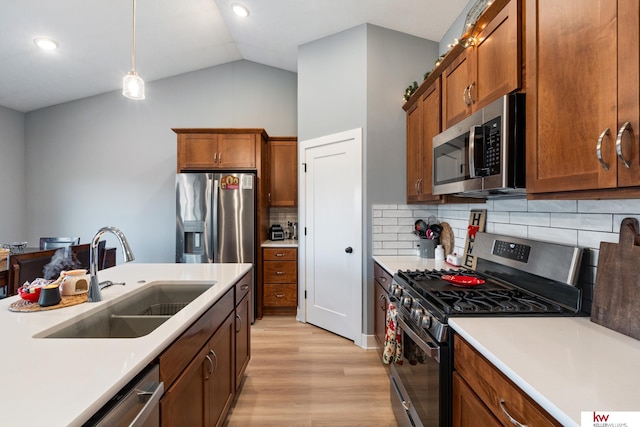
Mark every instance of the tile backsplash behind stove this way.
pixel 583 223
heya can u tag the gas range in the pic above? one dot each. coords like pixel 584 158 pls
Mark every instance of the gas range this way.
pixel 513 276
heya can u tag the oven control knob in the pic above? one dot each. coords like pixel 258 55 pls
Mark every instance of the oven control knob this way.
pixel 426 322
pixel 397 291
pixel 406 301
pixel 417 314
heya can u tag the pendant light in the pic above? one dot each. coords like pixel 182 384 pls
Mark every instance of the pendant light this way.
pixel 132 83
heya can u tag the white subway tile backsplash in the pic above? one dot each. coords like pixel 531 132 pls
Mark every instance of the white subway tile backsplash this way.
pixel 530 218
pixel 592 239
pixel 593 222
pixel 552 206
pixel 584 223
pixel 555 235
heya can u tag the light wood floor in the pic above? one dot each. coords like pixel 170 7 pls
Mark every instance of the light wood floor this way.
pixel 301 375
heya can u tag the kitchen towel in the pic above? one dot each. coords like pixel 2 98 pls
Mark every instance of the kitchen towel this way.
pixel 392 337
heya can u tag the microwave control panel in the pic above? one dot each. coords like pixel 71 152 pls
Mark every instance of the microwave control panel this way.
pixel 491 147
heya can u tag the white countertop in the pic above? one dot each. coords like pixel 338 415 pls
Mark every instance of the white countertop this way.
pixel 287 243
pixel 62 382
pixel 566 364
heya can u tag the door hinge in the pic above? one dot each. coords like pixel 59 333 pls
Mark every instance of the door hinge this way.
pixel 305 167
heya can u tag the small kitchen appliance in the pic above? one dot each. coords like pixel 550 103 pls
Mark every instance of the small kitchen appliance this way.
pixel 484 154
pixel 276 232
pixel 513 277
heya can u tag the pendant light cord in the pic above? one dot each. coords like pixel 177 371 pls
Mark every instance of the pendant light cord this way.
pixel 133 48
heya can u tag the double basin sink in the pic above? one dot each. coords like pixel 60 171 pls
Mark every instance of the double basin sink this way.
pixel 136 315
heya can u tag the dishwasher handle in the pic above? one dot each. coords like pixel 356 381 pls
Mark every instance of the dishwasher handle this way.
pixel 152 397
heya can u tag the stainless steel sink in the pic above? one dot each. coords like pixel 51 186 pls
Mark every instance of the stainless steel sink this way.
pixel 135 316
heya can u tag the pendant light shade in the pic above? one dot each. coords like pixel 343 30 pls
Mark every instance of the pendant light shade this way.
pixel 132 83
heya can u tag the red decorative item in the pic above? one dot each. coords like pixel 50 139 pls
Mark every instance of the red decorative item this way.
pixel 473 229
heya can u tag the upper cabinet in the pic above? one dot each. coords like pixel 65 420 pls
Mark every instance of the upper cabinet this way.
pixel 423 123
pixel 582 98
pixel 283 171
pixel 488 68
pixel 207 149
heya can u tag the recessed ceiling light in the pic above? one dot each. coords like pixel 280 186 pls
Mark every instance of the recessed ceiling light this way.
pixel 240 10
pixel 45 43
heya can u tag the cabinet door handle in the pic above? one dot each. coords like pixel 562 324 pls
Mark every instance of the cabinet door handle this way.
pixel 219 157
pixel 279 295
pixel 280 254
pixel 421 189
pixel 415 186
pixel 381 300
pixel 465 93
pixel 508 415
pixel 269 197
pixel 625 127
pixel 280 273
pixel 239 327
pixel 210 367
pixel 471 100
pixel 213 353
pixel 215 157
pixel 604 165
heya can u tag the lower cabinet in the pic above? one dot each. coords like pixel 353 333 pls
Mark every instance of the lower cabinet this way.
pixel 484 396
pixel 203 392
pixel 203 368
pixel 382 279
pixel 280 280
pixel 242 329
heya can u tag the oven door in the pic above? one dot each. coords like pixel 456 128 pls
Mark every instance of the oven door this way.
pixel 420 385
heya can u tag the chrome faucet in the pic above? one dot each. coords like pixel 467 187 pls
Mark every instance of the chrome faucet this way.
pixel 94 287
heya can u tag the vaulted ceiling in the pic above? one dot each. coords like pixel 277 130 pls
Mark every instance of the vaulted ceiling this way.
pixel 175 37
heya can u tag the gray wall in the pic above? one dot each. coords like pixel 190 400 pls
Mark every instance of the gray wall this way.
pixel 13 225
pixel 107 160
pixel 455 30
pixel 353 79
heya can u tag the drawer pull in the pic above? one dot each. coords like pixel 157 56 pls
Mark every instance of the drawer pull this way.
pixel 511 419
pixel 280 273
pixel 280 254
pixel 279 295
pixel 244 287
pixel 406 405
pixel 382 279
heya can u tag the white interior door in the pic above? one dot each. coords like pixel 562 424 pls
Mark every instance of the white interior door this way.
pixel 331 250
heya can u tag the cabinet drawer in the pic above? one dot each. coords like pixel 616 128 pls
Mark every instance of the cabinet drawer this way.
pixel 280 254
pixel 280 272
pixel 281 294
pixel 497 391
pixel 243 286
pixel 381 275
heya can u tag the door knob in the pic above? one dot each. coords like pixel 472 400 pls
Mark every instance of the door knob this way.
pixel 348 250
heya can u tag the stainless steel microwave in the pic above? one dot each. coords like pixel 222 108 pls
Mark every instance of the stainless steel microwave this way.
pixel 484 154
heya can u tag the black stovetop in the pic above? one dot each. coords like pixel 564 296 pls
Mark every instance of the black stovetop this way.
pixel 494 297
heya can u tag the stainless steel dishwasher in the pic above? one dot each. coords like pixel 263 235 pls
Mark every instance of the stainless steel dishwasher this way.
pixel 136 405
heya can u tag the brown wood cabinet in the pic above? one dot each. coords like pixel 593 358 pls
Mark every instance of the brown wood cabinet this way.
pixel 582 89
pixel 203 368
pixel 280 280
pixel 209 149
pixel 483 394
pixel 423 123
pixel 489 68
pixel 382 279
pixel 283 171
pixel 243 332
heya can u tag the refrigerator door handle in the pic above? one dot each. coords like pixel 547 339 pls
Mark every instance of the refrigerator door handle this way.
pixel 214 228
pixel 207 222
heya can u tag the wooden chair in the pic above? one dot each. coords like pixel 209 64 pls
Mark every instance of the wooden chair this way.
pixel 26 267
pixel 82 254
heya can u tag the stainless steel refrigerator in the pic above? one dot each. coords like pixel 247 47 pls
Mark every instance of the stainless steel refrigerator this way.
pixel 216 218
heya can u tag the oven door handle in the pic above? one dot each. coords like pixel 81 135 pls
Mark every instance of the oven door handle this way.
pixel 430 347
